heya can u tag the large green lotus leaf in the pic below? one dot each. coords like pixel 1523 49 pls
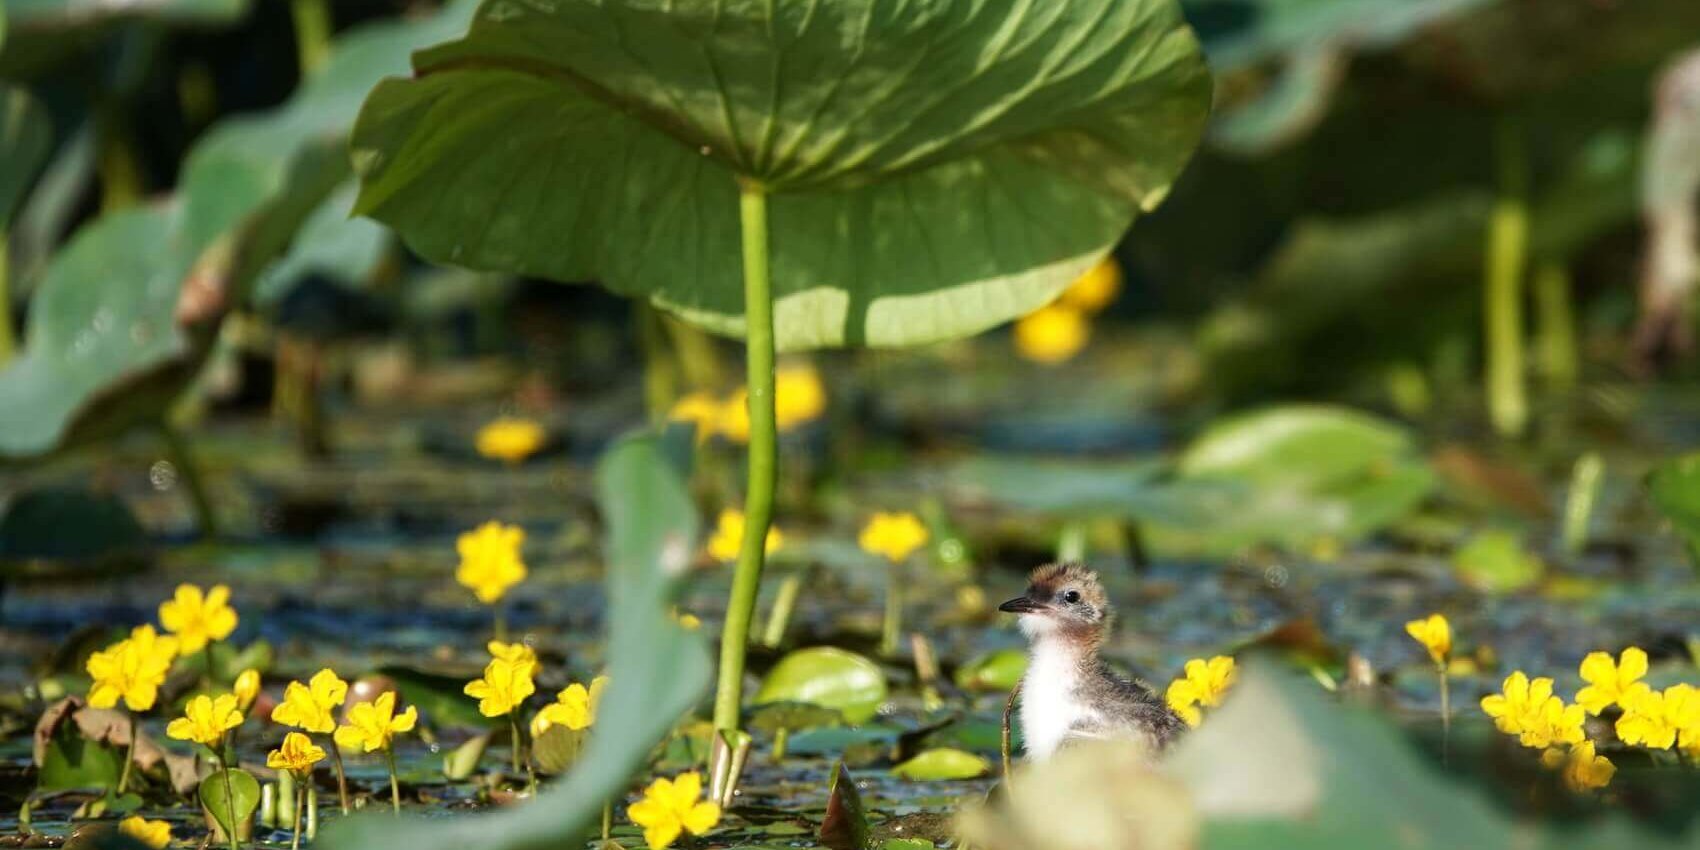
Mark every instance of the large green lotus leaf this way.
pixel 826 676
pixel 346 250
pixel 26 138
pixel 936 168
pixel 125 314
pixel 658 671
pixel 1299 444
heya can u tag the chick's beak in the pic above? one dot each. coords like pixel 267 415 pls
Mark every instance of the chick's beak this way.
pixel 1021 605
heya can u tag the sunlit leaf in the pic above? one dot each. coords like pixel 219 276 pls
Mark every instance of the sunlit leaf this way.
pixel 826 676
pixel 943 763
pixel 228 793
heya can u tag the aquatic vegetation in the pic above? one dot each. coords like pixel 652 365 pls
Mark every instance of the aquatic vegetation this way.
pixel 799 397
pixel 246 689
pixel 1096 288
pixel 1052 334
pixel 1583 768
pixel 510 439
pixel 502 691
pixel 297 755
pixel 207 721
pixel 893 537
pixel 1435 634
pixel 728 536
pixel 1610 683
pixel 198 617
pixel 131 670
pixel 371 727
pixel 151 833
pixel 1655 719
pixel 574 707
pixel 490 561
pixel 1203 684
pixel 672 807
pixel 311 706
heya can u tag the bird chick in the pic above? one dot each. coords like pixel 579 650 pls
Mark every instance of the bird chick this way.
pixel 1069 693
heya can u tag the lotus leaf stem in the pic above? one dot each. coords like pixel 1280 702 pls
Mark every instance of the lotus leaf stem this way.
pixel 1507 260
pixel 312 20
pixel 7 344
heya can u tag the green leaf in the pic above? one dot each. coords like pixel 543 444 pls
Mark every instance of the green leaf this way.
pixel 1675 489
pixel 1496 561
pixel 558 749
pixel 26 138
pixel 462 761
pixel 441 699
pixel 72 762
pixel 68 524
pixel 845 825
pixel 994 671
pixel 935 168
pixel 658 671
pixel 826 676
pixel 943 763
pixel 240 795
pixel 775 716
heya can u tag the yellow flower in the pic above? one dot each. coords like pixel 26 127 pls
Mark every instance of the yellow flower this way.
pixel 574 707
pixel 686 620
pixel 729 537
pixel 246 689
pixel 1584 770
pixel 701 409
pixel 1658 719
pixel 1094 290
pixel 197 618
pixel 510 440
pixel 372 725
pixel 490 561
pixel 1609 683
pixel 153 833
pixel 1553 723
pixel 1053 334
pixel 1203 683
pixel 504 687
pixel 799 397
pixel 309 706
pixel 205 720
pixel 1435 634
pixel 515 653
pixel 1518 701
pixel 297 755
pixel 670 807
pixel 131 670
pixel 893 536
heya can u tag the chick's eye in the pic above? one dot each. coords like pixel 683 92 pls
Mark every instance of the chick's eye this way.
pixel 1071 596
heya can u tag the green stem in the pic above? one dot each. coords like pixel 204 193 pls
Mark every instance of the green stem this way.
pixel 1579 504
pixel 341 777
pixel 891 626
pixel 229 797
pixel 8 345
pixel 295 837
pixel 1445 714
pixel 513 733
pixel 781 737
pixel 178 448
pixel 1507 255
pixel 607 820
pixel 129 758
pixel 763 458
pixel 395 786
pixel 780 617
pixel 312 33
pixel 1560 363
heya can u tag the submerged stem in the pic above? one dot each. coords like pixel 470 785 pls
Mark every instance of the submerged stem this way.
pixel 763 458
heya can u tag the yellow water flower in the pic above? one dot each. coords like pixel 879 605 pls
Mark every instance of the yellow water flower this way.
pixel 490 560
pixel 297 755
pixel 246 688
pixel 373 725
pixel 574 707
pixel 1553 723
pixel 894 536
pixel 515 653
pixel 729 537
pixel 510 439
pixel 1203 683
pixel 1053 334
pixel 1435 634
pixel 701 409
pixel 1519 698
pixel 1094 290
pixel 310 706
pixel 131 670
pixel 686 620
pixel 197 618
pixel 672 807
pixel 1657 720
pixel 799 397
pixel 1608 682
pixel 1584 769
pixel 205 720
pixel 504 687
pixel 153 833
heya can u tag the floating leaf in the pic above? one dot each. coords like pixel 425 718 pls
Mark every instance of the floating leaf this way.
pixel 943 763
pixel 657 669
pixel 869 125
pixel 774 716
pixel 1496 561
pixel 1675 489
pixel 73 762
pixel 461 762
pixel 68 526
pixel 239 795
pixel 826 676
pixel 994 671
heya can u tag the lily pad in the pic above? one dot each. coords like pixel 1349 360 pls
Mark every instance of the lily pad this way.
pixel 73 762
pixel 1496 561
pixel 69 526
pixel 994 671
pixel 826 676
pixel 943 763
pixel 868 124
